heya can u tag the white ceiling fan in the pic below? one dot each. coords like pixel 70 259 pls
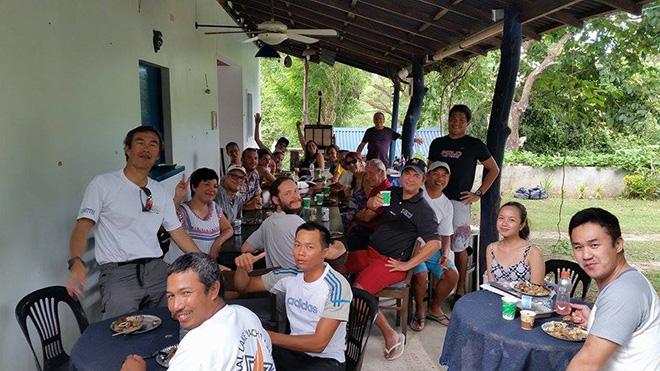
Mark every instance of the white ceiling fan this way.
pixel 274 32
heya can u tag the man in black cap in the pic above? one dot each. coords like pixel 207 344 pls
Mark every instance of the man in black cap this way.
pixel 388 257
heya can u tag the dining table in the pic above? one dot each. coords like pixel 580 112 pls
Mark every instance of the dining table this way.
pixel 98 350
pixel 478 338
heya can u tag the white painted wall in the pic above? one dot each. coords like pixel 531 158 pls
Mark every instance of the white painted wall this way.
pixel 69 92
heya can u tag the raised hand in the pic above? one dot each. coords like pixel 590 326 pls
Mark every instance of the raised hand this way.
pixel 257 118
pixel 375 202
pixel 181 190
pixel 246 261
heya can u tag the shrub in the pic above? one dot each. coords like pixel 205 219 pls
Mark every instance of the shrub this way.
pixel 643 185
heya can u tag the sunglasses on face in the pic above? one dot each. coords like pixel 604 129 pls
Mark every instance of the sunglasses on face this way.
pixel 149 203
pixel 239 178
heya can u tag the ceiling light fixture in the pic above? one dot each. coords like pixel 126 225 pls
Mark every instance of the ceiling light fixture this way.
pixel 267 51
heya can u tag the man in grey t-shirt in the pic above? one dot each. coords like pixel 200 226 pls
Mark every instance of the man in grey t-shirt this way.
pixel 624 323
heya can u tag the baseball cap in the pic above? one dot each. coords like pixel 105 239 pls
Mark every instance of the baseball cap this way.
pixel 437 164
pixel 236 167
pixel 416 164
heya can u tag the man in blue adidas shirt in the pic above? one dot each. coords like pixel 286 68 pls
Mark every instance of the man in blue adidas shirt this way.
pixel 317 303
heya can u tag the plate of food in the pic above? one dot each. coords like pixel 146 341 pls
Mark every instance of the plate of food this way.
pixel 531 289
pixel 564 331
pixel 135 324
pixel 165 355
pixel 252 221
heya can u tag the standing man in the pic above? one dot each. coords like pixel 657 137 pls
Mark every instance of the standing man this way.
pixel 624 323
pixel 222 337
pixel 233 151
pixel 462 152
pixel 318 301
pixel 439 264
pixel 124 210
pixel 230 198
pixel 379 138
pixel 252 186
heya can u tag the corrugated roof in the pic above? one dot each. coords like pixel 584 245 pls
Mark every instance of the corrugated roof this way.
pixel 350 138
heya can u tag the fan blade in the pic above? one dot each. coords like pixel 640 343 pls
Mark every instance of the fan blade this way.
pixel 198 25
pixel 313 31
pixel 223 32
pixel 251 39
pixel 301 38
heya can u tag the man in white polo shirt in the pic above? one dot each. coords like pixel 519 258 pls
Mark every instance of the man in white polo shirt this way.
pixel 124 210
pixel 317 303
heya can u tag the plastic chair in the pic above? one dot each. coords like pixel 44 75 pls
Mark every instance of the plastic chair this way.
pixel 577 274
pixel 42 308
pixel 361 318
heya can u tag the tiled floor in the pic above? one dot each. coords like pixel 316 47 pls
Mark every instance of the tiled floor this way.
pixel 422 350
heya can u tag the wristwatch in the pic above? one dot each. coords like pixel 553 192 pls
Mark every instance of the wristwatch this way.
pixel 478 193
pixel 73 260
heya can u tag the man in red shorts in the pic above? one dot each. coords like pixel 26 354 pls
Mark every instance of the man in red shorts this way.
pixel 388 257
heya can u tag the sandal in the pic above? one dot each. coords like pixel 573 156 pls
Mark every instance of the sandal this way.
pixel 418 323
pixel 396 351
pixel 441 319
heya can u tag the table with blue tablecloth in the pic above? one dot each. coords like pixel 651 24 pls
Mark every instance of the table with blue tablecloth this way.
pixel 478 338
pixel 97 349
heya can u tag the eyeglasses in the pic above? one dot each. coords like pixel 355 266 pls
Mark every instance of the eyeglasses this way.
pixel 349 163
pixel 237 177
pixel 146 206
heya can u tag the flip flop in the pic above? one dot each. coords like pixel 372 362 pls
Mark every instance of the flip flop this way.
pixel 441 319
pixel 418 323
pixel 396 348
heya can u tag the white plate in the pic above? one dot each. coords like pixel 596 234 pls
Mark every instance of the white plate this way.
pixel 546 328
pixel 513 287
pixel 162 358
pixel 149 322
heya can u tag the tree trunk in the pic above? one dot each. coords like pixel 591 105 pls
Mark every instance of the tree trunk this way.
pixel 518 107
pixel 305 102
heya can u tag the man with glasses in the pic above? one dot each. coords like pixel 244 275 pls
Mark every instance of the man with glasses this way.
pixel 230 198
pixel 124 210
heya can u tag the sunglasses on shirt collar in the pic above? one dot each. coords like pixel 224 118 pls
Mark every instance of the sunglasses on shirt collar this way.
pixel 149 203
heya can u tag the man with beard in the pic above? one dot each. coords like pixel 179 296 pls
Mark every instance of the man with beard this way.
pixel 277 233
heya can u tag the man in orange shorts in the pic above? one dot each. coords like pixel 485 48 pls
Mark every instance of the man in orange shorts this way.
pixel 389 255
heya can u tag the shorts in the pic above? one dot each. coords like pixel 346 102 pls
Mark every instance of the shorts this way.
pixel 460 240
pixel 432 265
pixel 372 274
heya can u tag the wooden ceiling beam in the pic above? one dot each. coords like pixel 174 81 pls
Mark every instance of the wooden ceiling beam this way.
pixel 376 22
pixel 353 48
pixel 566 18
pixel 307 20
pixel 530 33
pixel 543 8
pixel 625 5
pixel 456 7
pixel 409 12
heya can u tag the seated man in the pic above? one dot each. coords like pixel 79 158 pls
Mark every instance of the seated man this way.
pixel 624 323
pixel 317 303
pixel 389 255
pixel 440 266
pixel 252 186
pixel 234 153
pixel 222 336
pixel 364 220
pixel 263 167
pixel 230 198
pixel 277 233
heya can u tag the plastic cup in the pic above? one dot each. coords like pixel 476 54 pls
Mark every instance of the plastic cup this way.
pixel 387 197
pixel 319 198
pixel 326 191
pixel 307 202
pixel 527 319
pixel 509 308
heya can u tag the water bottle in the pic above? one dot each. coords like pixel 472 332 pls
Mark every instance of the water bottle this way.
pixel 311 170
pixel 562 304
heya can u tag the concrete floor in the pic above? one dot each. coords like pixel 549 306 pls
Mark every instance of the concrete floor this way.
pixel 422 350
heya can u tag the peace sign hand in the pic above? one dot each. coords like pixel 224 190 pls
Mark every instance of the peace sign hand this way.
pixel 181 190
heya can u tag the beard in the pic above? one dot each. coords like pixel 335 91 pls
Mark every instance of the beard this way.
pixel 290 210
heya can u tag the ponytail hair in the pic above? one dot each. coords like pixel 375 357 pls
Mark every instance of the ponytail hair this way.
pixel 524 231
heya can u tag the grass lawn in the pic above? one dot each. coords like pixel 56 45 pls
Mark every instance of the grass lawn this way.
pixel 635 216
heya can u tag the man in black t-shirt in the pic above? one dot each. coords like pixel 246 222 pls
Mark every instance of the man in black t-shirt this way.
pixel 388 257
pixel 462 152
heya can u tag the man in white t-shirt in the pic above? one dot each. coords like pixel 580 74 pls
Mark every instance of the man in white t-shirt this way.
pixel 439 264
pixel 317 303
pixel 221 337
pixel 124 210
pixel 624 323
